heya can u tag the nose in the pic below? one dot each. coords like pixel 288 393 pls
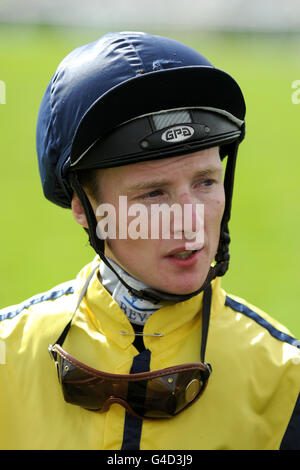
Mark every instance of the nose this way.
pixel 188 222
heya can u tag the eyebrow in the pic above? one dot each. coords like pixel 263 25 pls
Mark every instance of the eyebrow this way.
pixel 163 183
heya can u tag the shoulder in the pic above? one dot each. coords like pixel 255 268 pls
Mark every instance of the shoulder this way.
pixel 260 342
pixel 28 328
pixel 45 312
pixel 270 353
pixel 42 305
pixel 261 320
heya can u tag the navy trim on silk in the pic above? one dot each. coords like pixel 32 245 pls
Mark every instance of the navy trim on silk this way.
pixel 291 438
pixel 50 295
pixel 133 425
pixel 241 308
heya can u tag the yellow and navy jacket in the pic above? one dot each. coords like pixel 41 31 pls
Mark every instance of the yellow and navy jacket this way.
pixel 251 400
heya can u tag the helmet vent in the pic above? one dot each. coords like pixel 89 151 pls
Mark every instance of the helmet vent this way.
pixel 163 120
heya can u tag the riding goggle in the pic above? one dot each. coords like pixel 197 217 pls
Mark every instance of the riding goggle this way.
pixel 157 394
pixel 160 393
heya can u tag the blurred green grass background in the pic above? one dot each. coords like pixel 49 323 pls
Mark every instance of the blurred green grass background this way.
pixel 41 245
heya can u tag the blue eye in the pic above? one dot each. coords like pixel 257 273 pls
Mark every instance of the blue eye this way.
pixel 152 194
pixel 205 183
pixel 208 182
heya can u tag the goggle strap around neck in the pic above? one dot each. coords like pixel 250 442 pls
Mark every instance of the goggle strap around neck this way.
pixel 206 306
pixel 63 335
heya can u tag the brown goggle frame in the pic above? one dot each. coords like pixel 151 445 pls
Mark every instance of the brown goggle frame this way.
pixel 161 393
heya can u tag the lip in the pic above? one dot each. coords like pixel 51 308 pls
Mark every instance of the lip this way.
pixel 183 262
pixel 176 250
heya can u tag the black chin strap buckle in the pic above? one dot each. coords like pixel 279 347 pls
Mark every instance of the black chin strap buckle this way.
pixel 144 294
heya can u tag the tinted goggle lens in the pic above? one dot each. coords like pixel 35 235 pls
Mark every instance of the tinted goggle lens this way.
pixel 156 394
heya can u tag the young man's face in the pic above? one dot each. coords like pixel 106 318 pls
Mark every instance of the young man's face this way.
pixel 170 264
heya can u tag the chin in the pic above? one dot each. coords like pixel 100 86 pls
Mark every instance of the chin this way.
pixel 183 288
pixel 183 291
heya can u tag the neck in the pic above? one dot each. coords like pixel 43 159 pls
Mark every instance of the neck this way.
pixel 137 310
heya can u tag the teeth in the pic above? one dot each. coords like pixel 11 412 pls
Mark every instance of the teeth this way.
pixel 183 254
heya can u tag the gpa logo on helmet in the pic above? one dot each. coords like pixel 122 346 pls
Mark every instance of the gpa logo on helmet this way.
pixel 177 134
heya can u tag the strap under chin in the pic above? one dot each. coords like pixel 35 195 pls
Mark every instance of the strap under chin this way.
pixel 156 296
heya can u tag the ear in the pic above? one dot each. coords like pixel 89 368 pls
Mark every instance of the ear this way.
pixel 78 212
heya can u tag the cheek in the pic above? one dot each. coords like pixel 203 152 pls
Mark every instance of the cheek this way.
pixel 220 202
pixel 213 213
pixel 137 257
pixel 220 206
pixel 131 251
pixel 120 251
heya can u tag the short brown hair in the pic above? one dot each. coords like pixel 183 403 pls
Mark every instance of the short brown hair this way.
pixel 89 180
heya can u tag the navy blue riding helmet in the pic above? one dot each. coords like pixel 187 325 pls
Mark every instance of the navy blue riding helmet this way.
pixel 131 97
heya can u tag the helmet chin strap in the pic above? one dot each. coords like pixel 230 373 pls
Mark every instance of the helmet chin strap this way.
pixel 222 255
pixel 154 295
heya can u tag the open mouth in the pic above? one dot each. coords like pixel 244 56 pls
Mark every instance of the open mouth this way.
pixel 184 258
pixel 183 254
